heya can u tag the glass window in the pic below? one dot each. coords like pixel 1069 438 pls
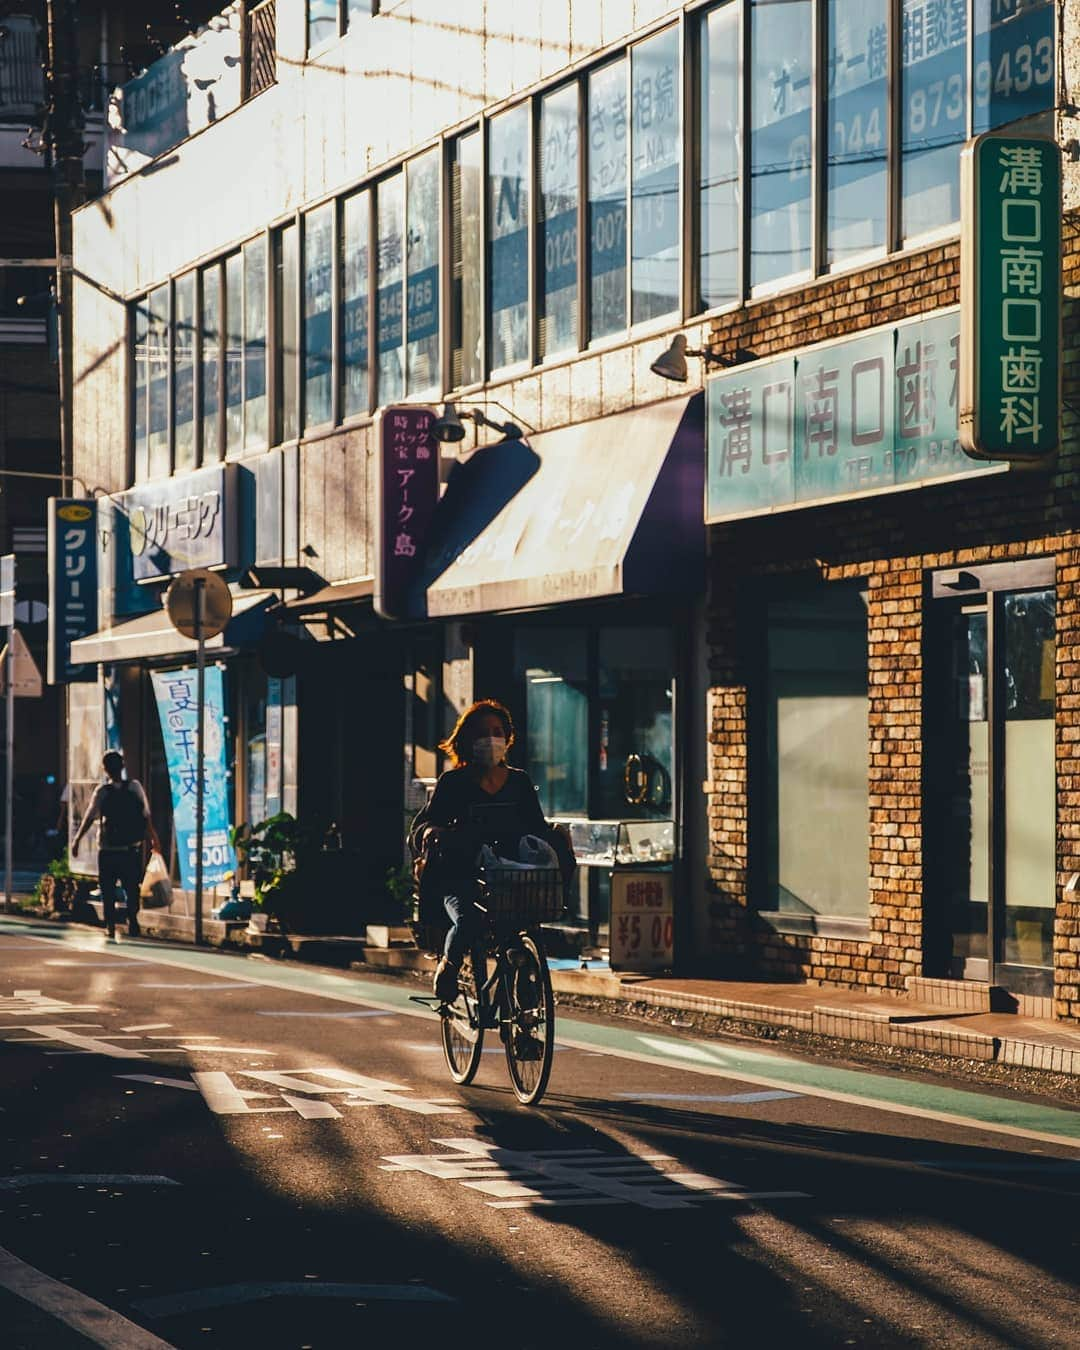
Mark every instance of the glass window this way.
pixel 1014 61
pixel 554 665
pixel 780 34
pixel 210 374
pixel 355 290
pixel 559 220
pixel 856 127
pixel 654 188
pixel 234 353
pixel 158 342
pixel 318 305
pixel 466 260
pixel 508 236
pixel 255 429
pixel 934 91
pixel 390 201
pixel 422 279
pixel 817 741
pixel 184 373
pixel 322 23
pixel 360 9
pixel 140 321
pixel 635 753
pixel 607 199
pixel 720 203
pixel 288 282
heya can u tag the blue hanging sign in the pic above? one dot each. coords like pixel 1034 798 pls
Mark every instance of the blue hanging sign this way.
pixel 175 694
pixel 73 586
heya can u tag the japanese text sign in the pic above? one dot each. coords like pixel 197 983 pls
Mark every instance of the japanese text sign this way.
pixel 175 692
pixel 642 922
pixel 870 414
pixel 73 586
pixel 1010 284
pixel 177 523
pixel 408 487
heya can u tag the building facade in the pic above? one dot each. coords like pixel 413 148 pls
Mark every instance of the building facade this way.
pixel 832 709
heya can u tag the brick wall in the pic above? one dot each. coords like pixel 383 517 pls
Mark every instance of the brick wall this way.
pixel 892 543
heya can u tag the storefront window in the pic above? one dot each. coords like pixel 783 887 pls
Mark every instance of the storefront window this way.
pixel 355 261
pixel 422 279
pixel 184 373
pixel 288 281
pixel 1014 61
pixel 466 254
pixel 817 760
pixel 607 199
pixel 780 138
pixel 934 124
pixel 318 302
pixel 635 697
pixel 508 236
pixel 234 353
pixel 158 347
pixel 140 324
pixel 720 199
pixel 391 205
pixel 856 127
pixel 210 371
pixel 654 189
pixel 255 429
pixel 558 209
pixel 554 665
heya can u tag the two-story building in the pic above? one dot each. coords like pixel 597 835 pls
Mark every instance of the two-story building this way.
pixel 682 281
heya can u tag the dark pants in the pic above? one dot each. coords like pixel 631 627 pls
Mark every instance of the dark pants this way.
pixel 121 866
pixel 466 925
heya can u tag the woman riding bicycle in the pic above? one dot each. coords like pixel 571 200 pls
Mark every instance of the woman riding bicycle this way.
pixel 479 800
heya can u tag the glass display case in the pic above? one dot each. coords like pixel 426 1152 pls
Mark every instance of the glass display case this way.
pixel 614 843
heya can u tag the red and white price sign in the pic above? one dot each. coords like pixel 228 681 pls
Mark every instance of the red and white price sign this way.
pixel 642 921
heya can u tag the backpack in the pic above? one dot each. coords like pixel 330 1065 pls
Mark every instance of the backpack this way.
pixel 124 824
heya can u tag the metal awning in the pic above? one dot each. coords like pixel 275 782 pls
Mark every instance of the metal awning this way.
pixel 604 508
pixel 345 593
pixel 152 636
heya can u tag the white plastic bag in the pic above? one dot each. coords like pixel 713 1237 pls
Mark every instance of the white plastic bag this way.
pixel 156 888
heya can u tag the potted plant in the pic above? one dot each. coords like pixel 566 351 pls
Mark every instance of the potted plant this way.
pixel 55 889
pixel 274 851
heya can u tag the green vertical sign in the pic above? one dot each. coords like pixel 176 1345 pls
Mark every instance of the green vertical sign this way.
pixel 1009 289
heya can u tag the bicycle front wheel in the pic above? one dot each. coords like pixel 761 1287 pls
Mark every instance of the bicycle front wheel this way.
pixel 528 1018
pixel 463 1021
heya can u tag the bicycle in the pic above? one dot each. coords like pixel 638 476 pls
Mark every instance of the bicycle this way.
pixel 504 983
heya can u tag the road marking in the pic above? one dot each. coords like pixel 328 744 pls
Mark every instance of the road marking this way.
pixel 1060 1165
pixel 359 1012
pixel 221 988
pixel 99 1324
pixel 562 1177
pixel 81 1179
pixel 228 1295
pixel 158 1081
pixel 148 1026
pixel 33 1003
pixel 739 1098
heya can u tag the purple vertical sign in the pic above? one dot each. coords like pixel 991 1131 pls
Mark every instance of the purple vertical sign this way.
pixel 408 489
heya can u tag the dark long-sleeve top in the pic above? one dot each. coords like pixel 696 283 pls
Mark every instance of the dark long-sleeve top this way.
pixel 456 795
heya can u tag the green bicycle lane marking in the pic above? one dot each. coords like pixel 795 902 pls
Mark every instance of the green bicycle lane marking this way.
pixel 904 1096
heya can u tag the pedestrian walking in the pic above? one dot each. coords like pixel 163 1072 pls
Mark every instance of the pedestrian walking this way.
pixel 120 803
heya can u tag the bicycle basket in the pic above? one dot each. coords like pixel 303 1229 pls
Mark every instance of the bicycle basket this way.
pixel 523 898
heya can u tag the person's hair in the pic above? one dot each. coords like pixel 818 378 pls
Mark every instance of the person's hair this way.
pixel 112 761
pixel 458 745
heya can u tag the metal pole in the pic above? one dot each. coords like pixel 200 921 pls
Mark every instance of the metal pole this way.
pixel 9 766
pixel 200 599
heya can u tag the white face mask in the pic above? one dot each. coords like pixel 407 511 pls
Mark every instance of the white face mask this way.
pixel 489 750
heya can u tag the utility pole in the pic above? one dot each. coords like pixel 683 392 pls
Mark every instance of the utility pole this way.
pixel 64 145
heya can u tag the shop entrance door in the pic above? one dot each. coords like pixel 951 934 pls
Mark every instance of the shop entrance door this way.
pixel 990 861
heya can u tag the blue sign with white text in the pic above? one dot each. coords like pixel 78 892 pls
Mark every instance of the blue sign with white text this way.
pixel 73 586
pixel 175 693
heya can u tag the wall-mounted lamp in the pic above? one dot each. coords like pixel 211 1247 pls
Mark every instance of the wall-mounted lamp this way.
pixel 449 428
pixel 671 364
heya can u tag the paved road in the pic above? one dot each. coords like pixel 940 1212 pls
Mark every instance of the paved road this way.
pixel 202 1150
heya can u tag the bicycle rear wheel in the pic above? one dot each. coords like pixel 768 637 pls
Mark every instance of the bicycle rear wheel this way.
pixel 529 1018
pixel 463 1021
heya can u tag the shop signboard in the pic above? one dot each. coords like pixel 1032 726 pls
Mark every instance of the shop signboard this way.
pixel 872 413
pixel 407 493
pixel 178 523
pixel 1010 287
pixel 642 922
pixel 73 585
pixel 175 692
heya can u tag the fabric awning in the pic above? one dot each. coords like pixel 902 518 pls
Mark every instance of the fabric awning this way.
pixel 604 508
pixel 152 635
